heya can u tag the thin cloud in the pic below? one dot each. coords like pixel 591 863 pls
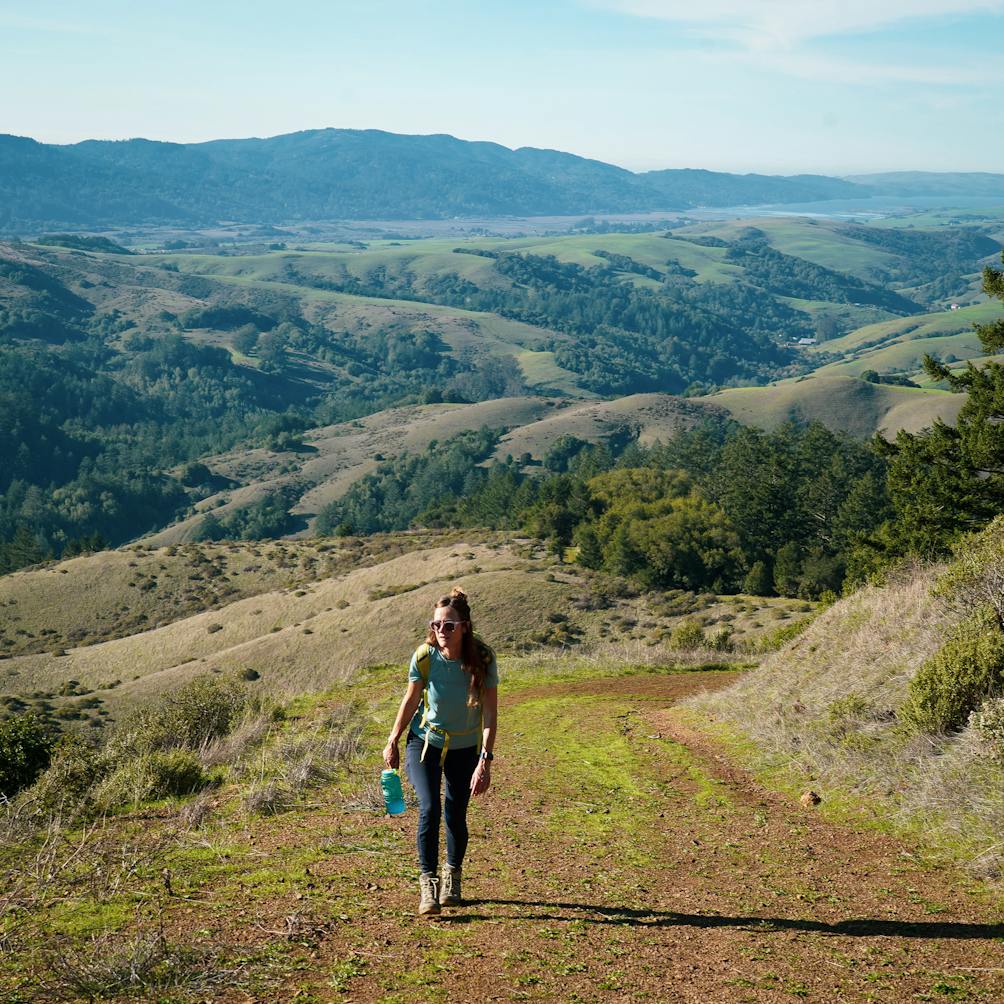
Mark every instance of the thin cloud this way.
pixel 779 24
pixel 808 66
pixel 15 22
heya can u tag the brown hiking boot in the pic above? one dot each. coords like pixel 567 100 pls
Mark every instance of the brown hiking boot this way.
pixel 449 892
pixel 428 885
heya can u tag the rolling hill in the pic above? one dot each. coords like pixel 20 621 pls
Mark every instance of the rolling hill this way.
pixel 293 372
pixel 102 632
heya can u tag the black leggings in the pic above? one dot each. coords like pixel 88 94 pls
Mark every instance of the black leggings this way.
pixel 458 767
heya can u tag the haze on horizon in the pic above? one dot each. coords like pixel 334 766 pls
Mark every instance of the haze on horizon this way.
pixel 772 86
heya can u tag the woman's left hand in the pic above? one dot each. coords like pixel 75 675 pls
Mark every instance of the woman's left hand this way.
pixel 481 778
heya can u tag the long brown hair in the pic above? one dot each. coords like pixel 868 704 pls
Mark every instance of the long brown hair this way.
pixel 475 655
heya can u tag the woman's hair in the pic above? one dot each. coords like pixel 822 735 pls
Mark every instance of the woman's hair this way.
pixel 475 656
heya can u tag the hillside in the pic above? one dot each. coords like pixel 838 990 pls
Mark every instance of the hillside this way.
pixel 854 406
pixel 89 637
pixel 331 459
pixel 156 390
pixel 881 698
pixel 617 853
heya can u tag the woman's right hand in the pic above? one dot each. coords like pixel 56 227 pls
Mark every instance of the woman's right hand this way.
pixel 391 756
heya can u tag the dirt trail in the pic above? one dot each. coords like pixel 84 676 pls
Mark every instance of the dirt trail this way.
pixel 617 858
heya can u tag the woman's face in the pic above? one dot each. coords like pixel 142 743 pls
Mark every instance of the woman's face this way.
pixel 450 641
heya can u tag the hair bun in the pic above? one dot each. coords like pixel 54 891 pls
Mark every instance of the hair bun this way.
pixel 456 593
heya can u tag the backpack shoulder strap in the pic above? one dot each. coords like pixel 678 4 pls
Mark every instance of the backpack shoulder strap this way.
pixel 423 656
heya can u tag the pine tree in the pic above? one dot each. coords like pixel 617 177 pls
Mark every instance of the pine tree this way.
pixel 948 480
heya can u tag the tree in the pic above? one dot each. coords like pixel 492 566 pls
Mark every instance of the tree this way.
pixel 945 480
pixel 563 450
pixel 787 566
pixel 245 339
pixel 759 581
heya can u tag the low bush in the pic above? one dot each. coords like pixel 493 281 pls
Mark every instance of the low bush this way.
pixel 160 751
pixel 987 725
pixel 687 634
pixel 721 639
pixel 26 745
pixel 956 680
pixel 151 776
pixel 199 713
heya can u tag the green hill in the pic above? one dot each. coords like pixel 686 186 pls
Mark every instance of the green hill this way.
pixel 153 390
pixel 842 403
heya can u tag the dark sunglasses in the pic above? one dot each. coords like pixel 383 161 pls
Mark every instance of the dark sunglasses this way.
pixel 445 626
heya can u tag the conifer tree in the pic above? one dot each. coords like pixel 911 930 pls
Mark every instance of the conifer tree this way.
pixel 948 480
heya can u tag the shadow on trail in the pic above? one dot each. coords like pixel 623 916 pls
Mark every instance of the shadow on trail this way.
pixel 590 913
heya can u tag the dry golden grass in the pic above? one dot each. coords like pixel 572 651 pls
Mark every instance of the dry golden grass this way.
pixel 826 706
pixel 338 455
pixel 842 403
pixel 650 416
pixel 324 608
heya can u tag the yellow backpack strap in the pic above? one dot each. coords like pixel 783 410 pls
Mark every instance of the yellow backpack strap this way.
pixel 423 658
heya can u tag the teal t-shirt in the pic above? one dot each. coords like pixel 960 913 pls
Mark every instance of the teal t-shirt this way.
pixel 448 709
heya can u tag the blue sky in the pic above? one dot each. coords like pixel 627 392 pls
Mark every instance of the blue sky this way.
pixel 778 86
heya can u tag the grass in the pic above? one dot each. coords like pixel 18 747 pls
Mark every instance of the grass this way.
pixel 823 711
pixel 839 402
pixel 815 240
pixel 612 825
pixel 346 593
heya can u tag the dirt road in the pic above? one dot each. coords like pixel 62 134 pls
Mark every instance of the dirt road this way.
pixel 617 858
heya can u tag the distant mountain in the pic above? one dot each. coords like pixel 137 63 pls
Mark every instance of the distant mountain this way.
pixel 346 174
pixel 711 188
pixel 927 183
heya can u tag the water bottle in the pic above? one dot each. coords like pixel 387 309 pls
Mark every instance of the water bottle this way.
pixel 393 796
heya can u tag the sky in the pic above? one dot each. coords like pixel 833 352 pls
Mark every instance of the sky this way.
pixel 772 86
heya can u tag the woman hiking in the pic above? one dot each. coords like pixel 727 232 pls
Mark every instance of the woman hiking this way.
pixel 454 677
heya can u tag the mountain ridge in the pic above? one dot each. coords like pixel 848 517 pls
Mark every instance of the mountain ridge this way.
pixel 347 174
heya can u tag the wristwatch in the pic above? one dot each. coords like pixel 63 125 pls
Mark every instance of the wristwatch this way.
pixel 487 755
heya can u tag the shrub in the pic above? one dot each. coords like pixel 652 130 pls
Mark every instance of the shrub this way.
pixel 73 770
pixel 26 745
pixel 955 681
pixel 988 726
pixel 201 711
pixel 152 776
pixel 721 640
pixel 780 636
pixel 687 634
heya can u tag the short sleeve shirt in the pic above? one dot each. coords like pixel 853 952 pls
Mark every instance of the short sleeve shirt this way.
pixel 448 710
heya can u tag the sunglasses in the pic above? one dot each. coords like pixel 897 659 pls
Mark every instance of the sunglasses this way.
pixel 445 626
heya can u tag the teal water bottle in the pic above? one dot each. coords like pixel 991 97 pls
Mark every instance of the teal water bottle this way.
pixel 393 796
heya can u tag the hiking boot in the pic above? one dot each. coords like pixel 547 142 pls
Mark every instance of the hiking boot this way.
pixel 449 893
pixel 428 885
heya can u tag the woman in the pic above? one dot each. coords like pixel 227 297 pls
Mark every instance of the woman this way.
pixel 455 679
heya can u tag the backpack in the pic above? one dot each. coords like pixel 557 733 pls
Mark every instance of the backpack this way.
pixel 423 659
